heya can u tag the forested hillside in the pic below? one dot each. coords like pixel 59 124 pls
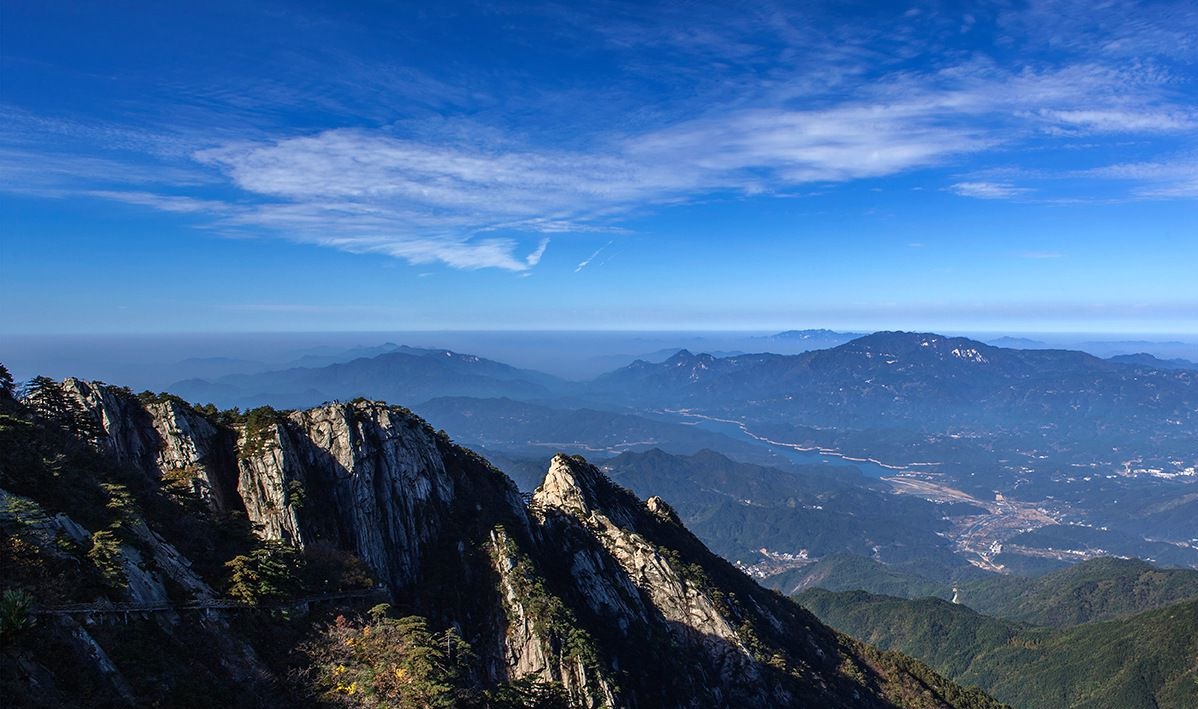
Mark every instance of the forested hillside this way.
pixel 1141 661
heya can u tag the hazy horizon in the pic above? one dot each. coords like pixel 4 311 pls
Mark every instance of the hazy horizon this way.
pixel 157 360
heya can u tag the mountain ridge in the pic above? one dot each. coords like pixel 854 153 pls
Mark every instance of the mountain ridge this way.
pixel 413 374
pixel 577 589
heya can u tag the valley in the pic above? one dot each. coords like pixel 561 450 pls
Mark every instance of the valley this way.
pixel 794 451
pixel 980 538
pixel 1018 439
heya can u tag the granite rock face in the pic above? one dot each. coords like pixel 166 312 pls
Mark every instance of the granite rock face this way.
pixel 362 476
pixel 682 606
pixel 162 436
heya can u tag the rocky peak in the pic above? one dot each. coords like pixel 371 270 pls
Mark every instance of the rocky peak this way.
pixel 637 579
pixel 569 485
pixel 686 358
pixel 161 435
pixel 363 476
pixel 662 510
pixel 577 488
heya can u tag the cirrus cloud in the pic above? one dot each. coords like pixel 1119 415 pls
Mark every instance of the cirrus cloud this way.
pixel 738 104
pixel 988 190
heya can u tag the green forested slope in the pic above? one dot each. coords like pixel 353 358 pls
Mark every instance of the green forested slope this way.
pixel 1092 590
pixel 944 635
pixel 1145 660
pixel 850 572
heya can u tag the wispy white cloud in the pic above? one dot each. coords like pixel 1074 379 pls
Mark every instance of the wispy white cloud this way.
pixel 366 191
pixel 166 203
pixel 470 255
pixel 1186 188
pixel 535 257
pixel 369 192
pixel 764 149
pixel 1181 168
pixel 1173 179
pixel 988 190
pixel 1117 30
pixel 587 261
pixel 1123 121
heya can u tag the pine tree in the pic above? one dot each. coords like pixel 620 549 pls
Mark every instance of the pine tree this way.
pixel 50 402
pixel 270 572
pixel 47 400
pixel 7 392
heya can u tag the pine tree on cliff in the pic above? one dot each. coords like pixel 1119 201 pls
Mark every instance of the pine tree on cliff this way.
pixel 6 384
pixel 46 399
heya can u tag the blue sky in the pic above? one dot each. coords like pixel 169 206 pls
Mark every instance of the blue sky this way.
pixel 352 166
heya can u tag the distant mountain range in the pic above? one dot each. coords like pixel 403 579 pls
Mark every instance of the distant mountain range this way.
pixel 1020 343
pixel 816 335
pixel 1067 430
pixel 926 379
pixel 1107 349
pixel 798 340
pixel 524 429
pixel 606 363
pixel 404 374
pixel 1146 360
pixel 907 397
pixel 1163 349
pixel 324 356
pixel 217 367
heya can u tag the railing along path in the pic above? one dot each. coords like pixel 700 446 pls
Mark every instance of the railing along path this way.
pixel 205 605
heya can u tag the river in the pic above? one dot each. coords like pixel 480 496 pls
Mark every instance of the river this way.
pixel 735 429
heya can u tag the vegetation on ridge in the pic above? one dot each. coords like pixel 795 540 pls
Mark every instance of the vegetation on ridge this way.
pixel 1139 661
pixel 400 663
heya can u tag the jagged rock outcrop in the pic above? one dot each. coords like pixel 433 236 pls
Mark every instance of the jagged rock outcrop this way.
pixel 653 595
pixel 542 638
pixel 575 493
pixel 362 476
pixel 585 586
pixel 372 479
pixel 161 435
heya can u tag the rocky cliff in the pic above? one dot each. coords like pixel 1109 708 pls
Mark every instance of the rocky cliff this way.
pixel 585 586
